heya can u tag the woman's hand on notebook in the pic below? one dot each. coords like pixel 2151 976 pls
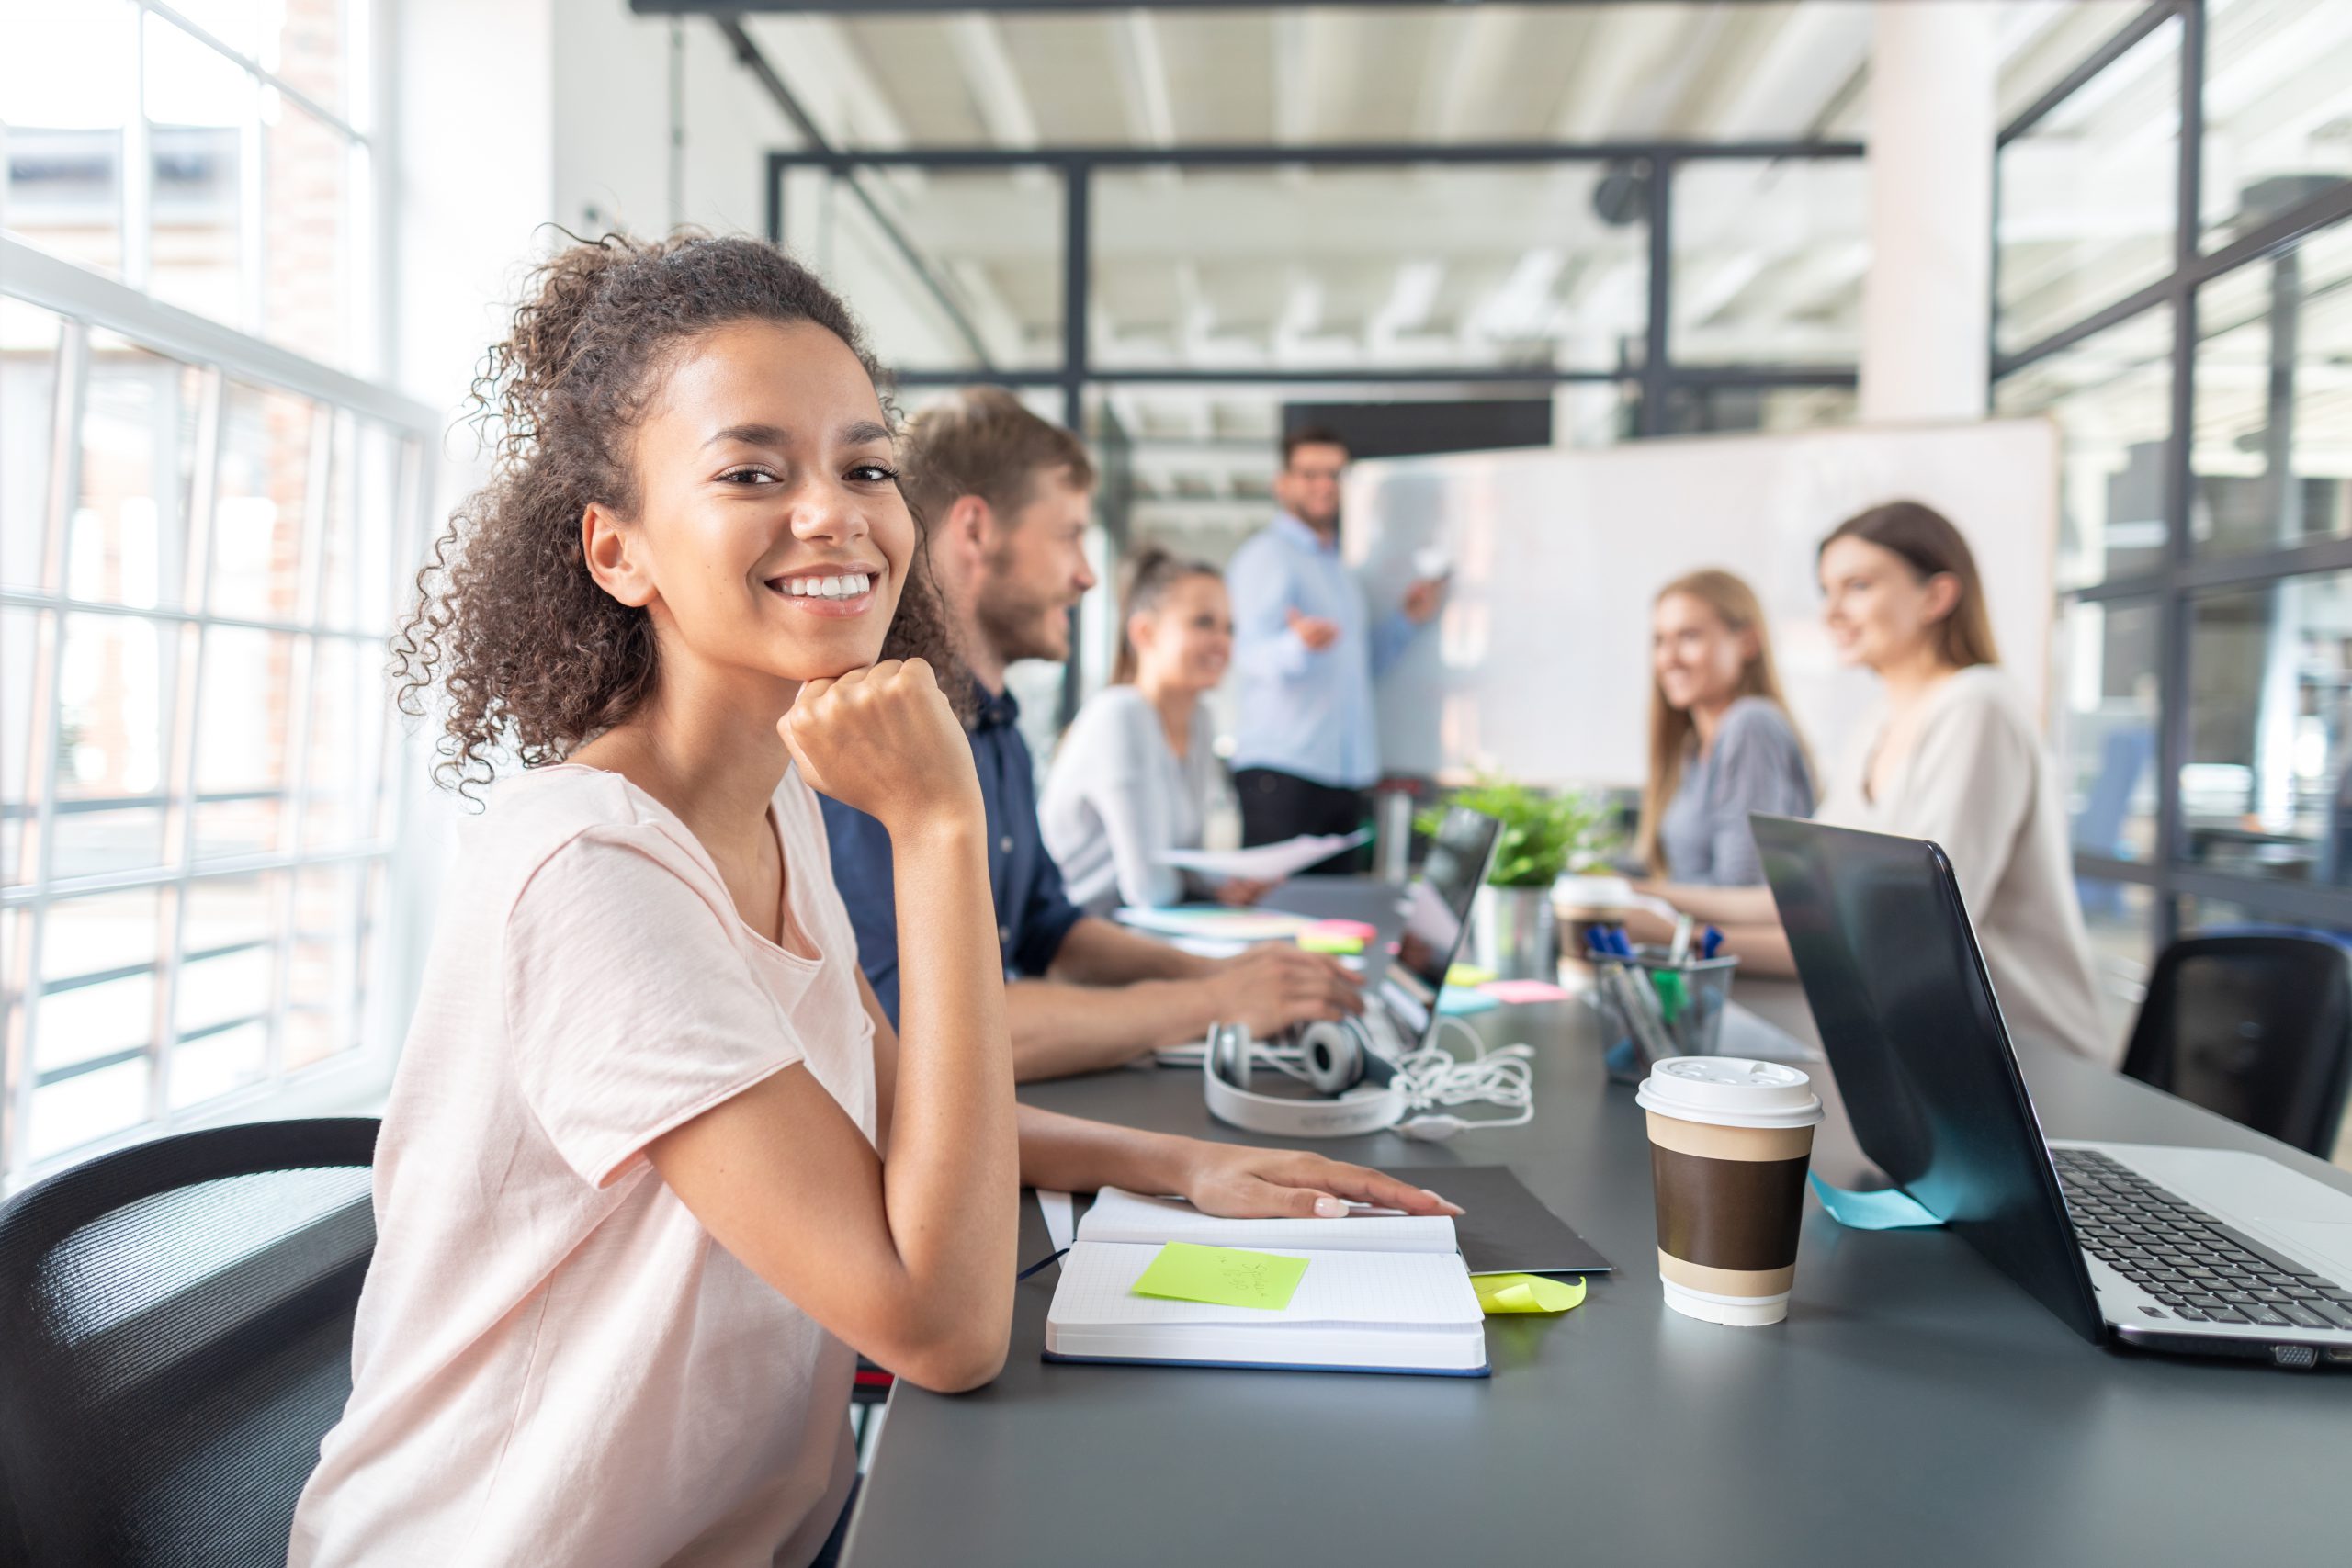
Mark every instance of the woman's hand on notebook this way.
pixel 1239 1183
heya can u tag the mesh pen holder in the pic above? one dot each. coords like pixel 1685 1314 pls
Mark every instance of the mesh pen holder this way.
pixel 1650 1008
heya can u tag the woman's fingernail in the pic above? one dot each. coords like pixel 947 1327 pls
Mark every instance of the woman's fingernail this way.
pixel 1330 1209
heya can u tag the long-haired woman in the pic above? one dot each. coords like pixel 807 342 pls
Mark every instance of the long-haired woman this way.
pixel 1722 743
pixel 1136 773
pixel 655 1168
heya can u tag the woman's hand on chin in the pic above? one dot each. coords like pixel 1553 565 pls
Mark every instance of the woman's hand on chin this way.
pixel 885 741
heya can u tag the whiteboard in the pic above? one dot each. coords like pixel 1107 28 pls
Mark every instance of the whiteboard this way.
pixel 1539 665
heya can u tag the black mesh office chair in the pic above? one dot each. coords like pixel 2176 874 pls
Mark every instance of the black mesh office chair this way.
pixel 2258 1027
pixel 175 1340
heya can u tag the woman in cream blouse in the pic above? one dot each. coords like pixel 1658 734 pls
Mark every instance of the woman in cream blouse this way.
pixel 1953 754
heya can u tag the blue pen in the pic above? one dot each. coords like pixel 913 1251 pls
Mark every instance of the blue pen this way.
pixel 1710 944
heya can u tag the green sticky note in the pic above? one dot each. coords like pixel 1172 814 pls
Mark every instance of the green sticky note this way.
pixel 1526 1292
pixel 1222 1276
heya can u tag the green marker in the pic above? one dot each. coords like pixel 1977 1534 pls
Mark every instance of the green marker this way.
pixel 1671 993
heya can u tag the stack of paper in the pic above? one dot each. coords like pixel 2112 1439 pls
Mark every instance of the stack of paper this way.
pixel 1215 922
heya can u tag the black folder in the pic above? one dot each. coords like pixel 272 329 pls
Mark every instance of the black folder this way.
pixel 1505 1229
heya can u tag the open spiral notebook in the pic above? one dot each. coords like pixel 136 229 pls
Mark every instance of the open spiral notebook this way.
pixel 1380 1294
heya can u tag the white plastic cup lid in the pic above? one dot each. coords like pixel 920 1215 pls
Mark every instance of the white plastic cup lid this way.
pixel 1730 1092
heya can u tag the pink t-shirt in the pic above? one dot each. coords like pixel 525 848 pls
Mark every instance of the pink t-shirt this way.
pixel 553 1362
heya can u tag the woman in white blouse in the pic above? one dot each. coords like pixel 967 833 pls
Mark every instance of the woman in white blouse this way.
pixel 1136 773
pixel 1951 754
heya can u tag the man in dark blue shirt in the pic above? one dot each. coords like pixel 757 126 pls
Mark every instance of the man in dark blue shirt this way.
pixel 1006 499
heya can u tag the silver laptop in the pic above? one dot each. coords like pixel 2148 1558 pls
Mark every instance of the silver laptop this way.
pixel 2199 1250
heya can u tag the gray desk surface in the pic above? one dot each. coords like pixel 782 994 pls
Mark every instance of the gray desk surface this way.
pixel 1917 1408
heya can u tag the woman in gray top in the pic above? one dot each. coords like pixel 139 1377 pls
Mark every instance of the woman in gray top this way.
pixel 1134 774
pixel 1721 741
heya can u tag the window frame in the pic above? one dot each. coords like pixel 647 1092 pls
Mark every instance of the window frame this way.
pixel 2180 574
pixel 87 303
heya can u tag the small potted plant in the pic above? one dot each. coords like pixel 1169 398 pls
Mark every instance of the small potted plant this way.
pixel 1512 929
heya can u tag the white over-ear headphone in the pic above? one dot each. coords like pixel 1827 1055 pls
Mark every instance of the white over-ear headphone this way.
pixel 1363 1092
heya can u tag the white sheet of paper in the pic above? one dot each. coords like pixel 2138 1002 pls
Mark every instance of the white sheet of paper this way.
pixel 1061 1222
pixel 1265 862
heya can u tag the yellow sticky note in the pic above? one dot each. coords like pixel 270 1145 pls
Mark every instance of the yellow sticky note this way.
pixel 1526 1292
pixel 1222 1276
pixel 1338 943
pixel 1467 976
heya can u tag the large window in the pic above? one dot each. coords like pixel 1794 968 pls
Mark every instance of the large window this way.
pixel 205 521
pixel 2173 291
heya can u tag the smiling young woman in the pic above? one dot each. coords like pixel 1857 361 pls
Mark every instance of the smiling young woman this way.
pixel 655 1169
pixel 1137 771
pixel 1722 743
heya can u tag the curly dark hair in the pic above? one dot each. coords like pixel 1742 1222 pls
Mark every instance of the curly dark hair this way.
pixel 533 657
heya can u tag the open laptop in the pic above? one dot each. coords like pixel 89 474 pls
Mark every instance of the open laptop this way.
pixel 2198 1250
pixel 1401 1007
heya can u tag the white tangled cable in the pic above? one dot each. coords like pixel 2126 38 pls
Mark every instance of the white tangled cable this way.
pixel 1432 1079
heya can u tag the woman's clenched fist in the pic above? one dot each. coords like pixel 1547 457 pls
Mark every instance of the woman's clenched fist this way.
pixel 885 741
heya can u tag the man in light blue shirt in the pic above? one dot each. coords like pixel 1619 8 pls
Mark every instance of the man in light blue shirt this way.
pixel 1308 650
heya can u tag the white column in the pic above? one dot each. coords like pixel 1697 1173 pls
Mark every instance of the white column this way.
pixel 1925 304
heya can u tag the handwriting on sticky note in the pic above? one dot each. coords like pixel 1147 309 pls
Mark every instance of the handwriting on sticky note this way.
pixel 1222 1276
pixel 1526 1292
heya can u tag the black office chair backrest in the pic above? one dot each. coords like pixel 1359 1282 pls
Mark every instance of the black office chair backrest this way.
pixel 2258 1027
pixel 175 1340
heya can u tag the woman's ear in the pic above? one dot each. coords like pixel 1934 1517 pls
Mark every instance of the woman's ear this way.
pixel 1141 632
pixel 608 548
pixel 1942 592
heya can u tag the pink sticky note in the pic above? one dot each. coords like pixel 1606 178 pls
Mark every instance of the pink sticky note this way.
pixel 1524 991
pixel 1356 929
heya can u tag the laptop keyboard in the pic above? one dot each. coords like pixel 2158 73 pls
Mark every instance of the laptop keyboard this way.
pixel 2202 1270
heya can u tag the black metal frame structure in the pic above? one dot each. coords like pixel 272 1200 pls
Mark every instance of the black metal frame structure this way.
pixel 2181 575
pixel 1656 379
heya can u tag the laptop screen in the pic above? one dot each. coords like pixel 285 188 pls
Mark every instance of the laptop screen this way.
pixel 1915 1038
pixel 1437 914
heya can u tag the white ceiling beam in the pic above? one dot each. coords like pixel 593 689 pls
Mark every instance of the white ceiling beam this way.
pixel 1715 283
pixel 1809 57
pixel 1313 58
pixel 1520 305
pixel 1813 283
pixel 1474 49
pixel 826 73
pixel 992 79
pixel 1143 79
pixel 1410 298
pixel 1633 71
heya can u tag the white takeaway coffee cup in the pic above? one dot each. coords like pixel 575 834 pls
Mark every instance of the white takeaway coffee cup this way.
pixel 1730 1140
